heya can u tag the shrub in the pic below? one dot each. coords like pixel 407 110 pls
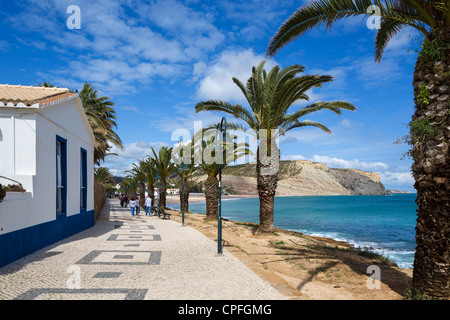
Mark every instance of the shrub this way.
pixel 421 127
pixel 14 188
pixel 2 193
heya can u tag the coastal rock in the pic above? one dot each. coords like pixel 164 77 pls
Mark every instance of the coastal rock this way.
pixel 297 178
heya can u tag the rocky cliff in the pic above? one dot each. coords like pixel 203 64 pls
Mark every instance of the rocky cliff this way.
pixel 303 178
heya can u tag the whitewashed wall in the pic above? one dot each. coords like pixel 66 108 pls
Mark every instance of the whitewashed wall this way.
pixel 35 164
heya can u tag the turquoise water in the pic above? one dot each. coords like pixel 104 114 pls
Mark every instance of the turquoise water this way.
pixel 383 223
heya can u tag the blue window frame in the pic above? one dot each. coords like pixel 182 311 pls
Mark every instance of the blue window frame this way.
pixel 83 180
pixel 61 175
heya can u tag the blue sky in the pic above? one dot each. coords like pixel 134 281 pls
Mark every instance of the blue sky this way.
pixel 157 59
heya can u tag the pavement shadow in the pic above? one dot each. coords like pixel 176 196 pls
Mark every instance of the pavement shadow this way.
pixel 103 225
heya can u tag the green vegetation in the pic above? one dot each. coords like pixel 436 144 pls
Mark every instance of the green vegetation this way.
pixel 416 295
pixel 271 96
pixel 432 20
pixel 102 119
pixel 10 188
pixel 2 193
pixel 14 188
pixel 424 95
pixel 421 127
pixel 376 257
pixel 433 50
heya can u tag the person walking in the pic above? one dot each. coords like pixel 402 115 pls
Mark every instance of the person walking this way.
pixel 122 200
pixel 132 206
pixel 148 206
pixel 138 207
pixel 125 201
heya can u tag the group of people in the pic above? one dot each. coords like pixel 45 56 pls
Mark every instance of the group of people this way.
pixel 135 206
pixel 124 201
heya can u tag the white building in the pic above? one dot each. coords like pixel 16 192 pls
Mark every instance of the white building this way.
pixel 47 145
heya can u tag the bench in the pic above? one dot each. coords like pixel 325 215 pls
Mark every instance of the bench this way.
pixel 164 214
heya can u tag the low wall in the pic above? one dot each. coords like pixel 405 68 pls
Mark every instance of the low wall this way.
pixel 99 198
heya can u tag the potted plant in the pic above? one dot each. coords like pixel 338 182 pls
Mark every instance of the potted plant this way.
pixel 2 193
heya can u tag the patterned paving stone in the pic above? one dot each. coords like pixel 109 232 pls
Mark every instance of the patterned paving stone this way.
pixel 108 275
pixel 110 257
pixel 129 294
pixel 127 237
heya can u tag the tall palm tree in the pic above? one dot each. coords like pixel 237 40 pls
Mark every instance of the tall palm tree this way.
pixel 102 118
pixel 179 158
pixel 430 125
pixel 165 167
pixel 209 143
pixel 270 97
pixel 138 172
pixel 149 169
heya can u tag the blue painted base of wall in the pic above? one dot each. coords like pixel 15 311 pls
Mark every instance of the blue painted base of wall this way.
pixel 17 244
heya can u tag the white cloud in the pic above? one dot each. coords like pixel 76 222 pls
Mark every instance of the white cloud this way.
pixel 185 117
pixel 334 162
pixel 132 152
pixel 129 42
pixel 292 157
pixel 217 82
pixel 350 164
pixel 402 41
pixel 403 178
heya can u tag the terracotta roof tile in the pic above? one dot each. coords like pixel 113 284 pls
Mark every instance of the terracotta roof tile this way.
pixel 28 96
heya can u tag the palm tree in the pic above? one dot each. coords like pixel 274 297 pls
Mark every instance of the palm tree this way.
pixel 165 168
pixel 45 84
pixel 179 158
pixel 103 175
pixel 129 186
pixel 210 144
pixel 270 96
pixel 137 172
pixel 149 169
pixel 101 116
pixel 429 128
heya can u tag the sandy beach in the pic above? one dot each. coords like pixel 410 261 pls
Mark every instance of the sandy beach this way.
pixel 305 267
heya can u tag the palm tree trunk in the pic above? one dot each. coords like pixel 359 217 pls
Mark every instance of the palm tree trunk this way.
pixel 212 198
pixel 151 192
pixel 266 171
pixel 162 193
pixel 431 171
pixel 142 194
pixel 186 196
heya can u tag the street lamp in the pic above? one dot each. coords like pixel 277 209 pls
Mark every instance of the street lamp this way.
pixel 183 168
pixel 223 130
pixel 157 177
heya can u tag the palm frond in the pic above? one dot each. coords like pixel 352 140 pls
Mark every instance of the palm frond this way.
pixel 302 124
pixel 315 14
pixel 388 29
pixel 415 13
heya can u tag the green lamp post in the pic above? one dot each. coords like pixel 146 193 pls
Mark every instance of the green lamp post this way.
pixel 157 177
pixel 223 130
pixel 183 168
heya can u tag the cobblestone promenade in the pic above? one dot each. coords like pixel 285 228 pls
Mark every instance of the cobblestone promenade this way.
pixel 125 257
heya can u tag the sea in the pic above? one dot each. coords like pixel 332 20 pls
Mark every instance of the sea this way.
pixel 382 224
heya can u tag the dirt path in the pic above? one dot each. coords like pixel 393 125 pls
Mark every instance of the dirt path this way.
pixel 304 267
